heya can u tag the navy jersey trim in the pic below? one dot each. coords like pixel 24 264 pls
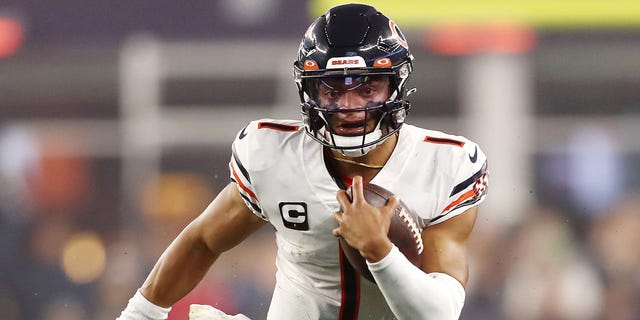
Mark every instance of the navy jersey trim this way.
pixel 244 171
pixel 460 205
pixel 465 184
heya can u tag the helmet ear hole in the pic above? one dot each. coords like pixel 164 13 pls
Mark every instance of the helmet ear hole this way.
pixel 396 112
pixel 398 117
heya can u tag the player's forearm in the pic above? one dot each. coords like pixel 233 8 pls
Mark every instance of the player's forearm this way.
pixel 413 294
pixel 180 268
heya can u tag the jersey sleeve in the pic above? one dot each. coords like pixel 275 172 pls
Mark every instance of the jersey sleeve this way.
pixel 468 185
pixel 239 168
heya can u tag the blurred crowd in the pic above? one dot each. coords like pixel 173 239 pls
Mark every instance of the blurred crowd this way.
pixel 60 258
pixel 73 246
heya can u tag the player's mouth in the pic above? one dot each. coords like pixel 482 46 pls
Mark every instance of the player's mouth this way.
pixel 350 128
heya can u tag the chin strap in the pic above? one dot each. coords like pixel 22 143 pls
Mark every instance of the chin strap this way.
pixel 355 146
pixel 342 141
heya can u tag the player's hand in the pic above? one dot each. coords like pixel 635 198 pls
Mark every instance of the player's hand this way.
pixel 206 312
pixel 363 226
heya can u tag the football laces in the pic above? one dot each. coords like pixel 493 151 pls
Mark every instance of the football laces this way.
pixel 413 227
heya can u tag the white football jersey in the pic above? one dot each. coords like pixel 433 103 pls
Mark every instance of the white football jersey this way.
pixel 282 177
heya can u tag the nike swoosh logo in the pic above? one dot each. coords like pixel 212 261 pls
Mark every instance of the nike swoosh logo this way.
pixel 474 157
pixel 243 133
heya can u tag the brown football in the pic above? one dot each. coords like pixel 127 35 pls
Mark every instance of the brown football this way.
pixel 404 231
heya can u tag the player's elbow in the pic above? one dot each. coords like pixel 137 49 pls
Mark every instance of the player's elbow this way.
pixel 449 309
pixel 451 299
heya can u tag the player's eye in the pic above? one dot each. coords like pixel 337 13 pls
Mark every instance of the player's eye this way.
pixel 332 94
pixel 367 90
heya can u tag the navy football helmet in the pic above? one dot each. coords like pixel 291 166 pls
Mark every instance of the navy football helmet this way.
pixel 353 44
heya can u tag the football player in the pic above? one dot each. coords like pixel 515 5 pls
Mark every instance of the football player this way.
pixel 352 70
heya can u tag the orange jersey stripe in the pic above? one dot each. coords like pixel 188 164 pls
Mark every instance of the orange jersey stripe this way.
pixel 277 126
pixel 463 197
pixel 235 175
pixel 444 141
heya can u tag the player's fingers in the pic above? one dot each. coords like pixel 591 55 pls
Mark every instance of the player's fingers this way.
pixel 343 199
pixel 392 204
pixel 336 232
pixel 357 192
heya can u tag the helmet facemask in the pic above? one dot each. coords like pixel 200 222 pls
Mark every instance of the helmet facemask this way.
pixel 363 127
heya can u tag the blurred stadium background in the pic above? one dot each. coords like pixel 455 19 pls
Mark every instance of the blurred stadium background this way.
pixel 116 120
